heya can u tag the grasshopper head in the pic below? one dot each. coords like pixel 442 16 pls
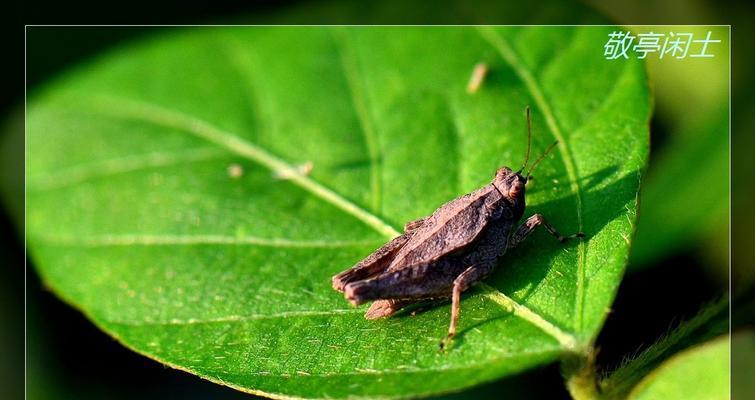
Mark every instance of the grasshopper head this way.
pixel 511 184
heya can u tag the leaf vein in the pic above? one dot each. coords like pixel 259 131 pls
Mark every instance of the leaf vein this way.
pixel 566 340
pixel 241 318
pixel 169 240
pixel 416 370
pixel 156 114
pixel 81 173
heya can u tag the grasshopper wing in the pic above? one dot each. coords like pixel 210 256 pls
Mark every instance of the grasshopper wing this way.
pixel 451 227
pixel 373 264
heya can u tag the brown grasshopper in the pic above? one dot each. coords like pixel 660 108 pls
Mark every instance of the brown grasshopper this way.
pixel 442 255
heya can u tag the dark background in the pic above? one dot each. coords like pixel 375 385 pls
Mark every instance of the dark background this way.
pixel 69 358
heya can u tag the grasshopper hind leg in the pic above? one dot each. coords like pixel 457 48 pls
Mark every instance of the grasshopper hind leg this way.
pixel 386 308
pixel 466 279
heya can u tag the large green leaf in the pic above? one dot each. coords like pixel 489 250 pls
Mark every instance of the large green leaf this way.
pixel 165 203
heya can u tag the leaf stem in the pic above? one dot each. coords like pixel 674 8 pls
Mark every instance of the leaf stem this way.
pixel 581 377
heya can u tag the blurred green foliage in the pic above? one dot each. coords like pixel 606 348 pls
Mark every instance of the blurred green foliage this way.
pixel 685 196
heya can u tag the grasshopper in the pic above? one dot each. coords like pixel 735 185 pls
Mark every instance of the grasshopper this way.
pixel 444 254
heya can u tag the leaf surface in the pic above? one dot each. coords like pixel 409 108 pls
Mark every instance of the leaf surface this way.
pixel 701 372
pixel 166 198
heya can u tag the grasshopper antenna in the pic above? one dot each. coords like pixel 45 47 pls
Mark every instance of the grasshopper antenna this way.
pixel 529 139
pixel 545 153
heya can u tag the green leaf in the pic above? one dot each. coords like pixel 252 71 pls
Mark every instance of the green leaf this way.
pixel 701 372
pixel 165 202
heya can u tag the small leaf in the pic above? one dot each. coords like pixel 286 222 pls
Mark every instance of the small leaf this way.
pixel 165 201
pixel 701 372
pixel 712 320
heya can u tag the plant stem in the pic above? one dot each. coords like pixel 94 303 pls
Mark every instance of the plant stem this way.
pixel 580 374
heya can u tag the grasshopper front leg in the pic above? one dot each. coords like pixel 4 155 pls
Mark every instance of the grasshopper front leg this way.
pixel 533 222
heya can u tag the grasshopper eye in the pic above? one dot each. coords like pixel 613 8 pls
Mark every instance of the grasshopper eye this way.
pixel 516 188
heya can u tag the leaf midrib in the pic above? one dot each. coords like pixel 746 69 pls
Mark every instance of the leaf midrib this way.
pixel 164 239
